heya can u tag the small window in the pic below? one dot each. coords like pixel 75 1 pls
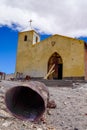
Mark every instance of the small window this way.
pixel 25 38
pixel 36 39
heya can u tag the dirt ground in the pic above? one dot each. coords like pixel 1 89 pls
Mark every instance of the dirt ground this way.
pixel 70 113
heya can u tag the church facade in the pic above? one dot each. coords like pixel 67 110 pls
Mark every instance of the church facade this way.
pixel 35 57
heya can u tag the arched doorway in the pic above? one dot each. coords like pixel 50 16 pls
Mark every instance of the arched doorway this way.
pixel 56 60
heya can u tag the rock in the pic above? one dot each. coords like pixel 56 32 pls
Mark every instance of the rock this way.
pixel 85 114
pixel 43 119
pixel 4 114
pixel 7 123
pixel 68 97
pixel 51 104
pixel 65 103
pixel 76 129
pixel 51 128
pixel 33 126
pixel 48 112
pixel 39 129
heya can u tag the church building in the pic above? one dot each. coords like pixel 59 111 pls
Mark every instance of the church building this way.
pixel 35 57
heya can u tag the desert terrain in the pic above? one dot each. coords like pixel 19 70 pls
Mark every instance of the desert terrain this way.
pixel 70 112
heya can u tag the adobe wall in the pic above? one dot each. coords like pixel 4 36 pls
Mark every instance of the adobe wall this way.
pixel 33 59
pixel 85 46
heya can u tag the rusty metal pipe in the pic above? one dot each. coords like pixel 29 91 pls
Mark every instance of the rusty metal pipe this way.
pixel 27 101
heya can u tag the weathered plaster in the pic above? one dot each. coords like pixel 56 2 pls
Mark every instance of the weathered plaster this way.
pixel 33 59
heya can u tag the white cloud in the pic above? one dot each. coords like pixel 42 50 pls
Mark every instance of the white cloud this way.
pixel 65 17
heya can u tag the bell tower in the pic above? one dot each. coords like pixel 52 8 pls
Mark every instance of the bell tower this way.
pixel 29 37
pixel 26 40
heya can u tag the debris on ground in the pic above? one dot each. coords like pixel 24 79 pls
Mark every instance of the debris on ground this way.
pixel 70 111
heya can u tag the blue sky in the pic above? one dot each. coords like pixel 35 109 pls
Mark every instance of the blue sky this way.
pixel 63 17
pixel 8 48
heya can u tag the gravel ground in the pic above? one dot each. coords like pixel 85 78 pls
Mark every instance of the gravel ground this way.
pixel 70 113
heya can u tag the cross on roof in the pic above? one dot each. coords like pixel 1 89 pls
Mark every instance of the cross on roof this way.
pixel 30 23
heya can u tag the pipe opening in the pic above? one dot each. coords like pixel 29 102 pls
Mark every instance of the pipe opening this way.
pixel 24 103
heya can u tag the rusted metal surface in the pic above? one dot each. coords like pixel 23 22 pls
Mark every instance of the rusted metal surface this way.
pixel 27 101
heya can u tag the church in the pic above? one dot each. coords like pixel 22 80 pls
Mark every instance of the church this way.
pixel 35 57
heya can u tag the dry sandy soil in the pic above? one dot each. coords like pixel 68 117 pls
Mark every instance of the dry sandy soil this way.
pixel 70 113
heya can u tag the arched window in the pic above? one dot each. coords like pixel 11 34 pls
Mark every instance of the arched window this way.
pixel 36 39
pixel 25 38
